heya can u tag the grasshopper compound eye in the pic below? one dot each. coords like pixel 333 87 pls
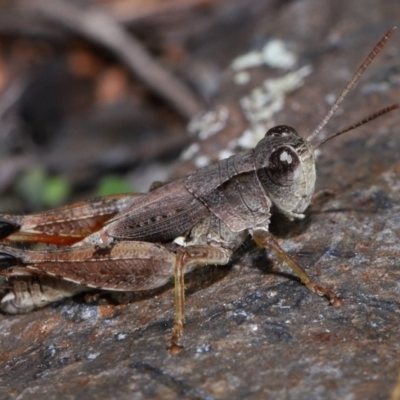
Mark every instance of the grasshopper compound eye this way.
pixel 284 166
pixel 281 131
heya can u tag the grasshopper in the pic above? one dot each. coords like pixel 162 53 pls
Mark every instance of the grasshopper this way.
pixel 135 242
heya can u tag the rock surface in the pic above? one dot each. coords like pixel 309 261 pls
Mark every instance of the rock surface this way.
pixel 252 331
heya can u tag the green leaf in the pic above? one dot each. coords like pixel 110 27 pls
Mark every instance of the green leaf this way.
pixel 42 190
pixel 56 191
pixel 113 184
pixel 30 186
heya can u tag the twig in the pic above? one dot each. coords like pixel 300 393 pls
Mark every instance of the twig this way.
pixel 104 30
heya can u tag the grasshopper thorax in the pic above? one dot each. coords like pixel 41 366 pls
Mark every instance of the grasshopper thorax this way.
pixel 285 165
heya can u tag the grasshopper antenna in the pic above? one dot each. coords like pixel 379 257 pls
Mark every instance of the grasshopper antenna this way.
pixel 359 123
pixel 347 89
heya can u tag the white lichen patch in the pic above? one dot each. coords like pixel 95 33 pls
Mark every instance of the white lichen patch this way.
pixel 202 161
pixel 189 153
pixel 274 54
pixel 260 105
pixel 263 102
pixel 209 123
pixel 246 141
pixel 249 60
pixel 289 82
pixel 225 154
pixel 241 78
pixel 249 138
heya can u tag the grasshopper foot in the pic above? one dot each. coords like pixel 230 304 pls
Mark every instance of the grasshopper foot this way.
pixel 320 290
pixel 175 347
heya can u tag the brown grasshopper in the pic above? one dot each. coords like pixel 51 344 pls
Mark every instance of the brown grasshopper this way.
pixel 134 242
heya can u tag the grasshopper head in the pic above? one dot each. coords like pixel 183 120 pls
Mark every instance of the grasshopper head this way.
pixel 285 163
pixel 285 166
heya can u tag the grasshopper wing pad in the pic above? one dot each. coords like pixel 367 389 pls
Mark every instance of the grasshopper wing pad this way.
pixel 159 216
pixel 232 191
pixel 65 225
pixel 125 266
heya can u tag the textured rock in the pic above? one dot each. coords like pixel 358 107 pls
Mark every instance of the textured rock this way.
pixel 253 332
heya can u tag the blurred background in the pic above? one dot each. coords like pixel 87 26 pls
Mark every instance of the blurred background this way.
pixel 107 96
pixel 95 96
